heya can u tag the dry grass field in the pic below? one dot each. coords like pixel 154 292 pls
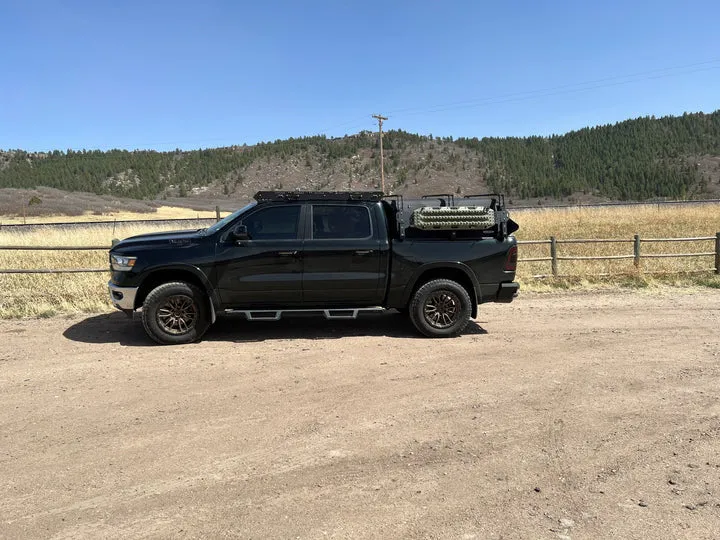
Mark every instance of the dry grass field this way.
pixel 33 295
pixel 622 222
pixel 28 295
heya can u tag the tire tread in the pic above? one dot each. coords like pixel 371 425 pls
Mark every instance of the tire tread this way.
pixel 416 306
pixel 201 324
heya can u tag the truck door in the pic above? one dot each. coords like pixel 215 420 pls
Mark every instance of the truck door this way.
pixel 266 270
pixel 341 257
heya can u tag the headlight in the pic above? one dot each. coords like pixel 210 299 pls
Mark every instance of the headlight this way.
pixel 122 263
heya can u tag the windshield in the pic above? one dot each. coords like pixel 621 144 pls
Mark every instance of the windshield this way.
pixel 227 219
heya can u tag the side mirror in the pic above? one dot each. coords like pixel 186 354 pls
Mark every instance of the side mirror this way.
pixel 240 232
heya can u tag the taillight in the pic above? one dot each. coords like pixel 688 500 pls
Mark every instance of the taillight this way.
pixel 511 260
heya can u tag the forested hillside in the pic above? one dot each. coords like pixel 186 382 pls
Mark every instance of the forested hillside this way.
pixel 635 159
pixel 673 157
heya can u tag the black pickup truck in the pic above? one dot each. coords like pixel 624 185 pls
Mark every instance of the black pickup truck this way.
pixel 338 254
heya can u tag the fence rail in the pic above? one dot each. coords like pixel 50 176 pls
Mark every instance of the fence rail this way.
pixel 107 222
pixel 615 204
pixel 56 248
pixel 553 257
pixel 52 270
pixel 595 258
pixel 637 254
pixel 591 241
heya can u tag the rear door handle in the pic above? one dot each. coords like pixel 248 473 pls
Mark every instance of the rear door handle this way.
pixel 363 252
pixel 287 253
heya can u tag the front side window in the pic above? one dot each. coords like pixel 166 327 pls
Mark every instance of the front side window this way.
pixel 229 218
pixel 274 223
pixel 338 221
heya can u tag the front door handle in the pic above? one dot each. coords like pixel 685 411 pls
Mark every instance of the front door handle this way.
pixel 287 253
pixel 363 252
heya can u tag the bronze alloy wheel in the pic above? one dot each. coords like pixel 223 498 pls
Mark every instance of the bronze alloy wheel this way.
pixel 177 314
pixel 441 309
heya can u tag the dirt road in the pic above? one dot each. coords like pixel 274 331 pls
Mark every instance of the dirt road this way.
pixel 558 416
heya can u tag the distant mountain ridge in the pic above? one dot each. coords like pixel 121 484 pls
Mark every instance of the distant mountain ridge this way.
pixel 639 159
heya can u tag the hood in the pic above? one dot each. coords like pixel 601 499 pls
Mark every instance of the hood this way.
pixel 159 239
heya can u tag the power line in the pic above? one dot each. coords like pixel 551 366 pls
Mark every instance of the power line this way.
pixel 539 96
pixel 355 121
pixel 615 80
pixel 529 94
pixel 606 82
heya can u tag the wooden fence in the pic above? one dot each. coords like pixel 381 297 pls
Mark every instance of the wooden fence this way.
pixel 108 223
pixel 637 255
pixel 554 258
pixel 54 270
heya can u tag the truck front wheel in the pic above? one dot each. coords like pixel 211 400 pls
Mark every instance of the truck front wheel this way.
pixel 175 313
pixel 440 308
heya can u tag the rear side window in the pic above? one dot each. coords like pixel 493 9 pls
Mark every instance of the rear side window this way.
pixel 274 223
pixel 340 221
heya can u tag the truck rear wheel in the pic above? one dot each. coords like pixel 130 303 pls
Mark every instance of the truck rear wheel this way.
pixel 440 308
pixel 175 313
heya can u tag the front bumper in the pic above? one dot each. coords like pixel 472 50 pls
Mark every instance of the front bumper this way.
pixel 122 297
pixel 507 292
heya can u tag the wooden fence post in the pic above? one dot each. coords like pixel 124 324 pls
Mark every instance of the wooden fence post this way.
pixel 637 251
pixel 553 255
pixel 717 253
pixel 217 213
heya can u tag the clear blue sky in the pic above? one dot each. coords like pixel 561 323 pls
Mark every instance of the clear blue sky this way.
pixel 161 75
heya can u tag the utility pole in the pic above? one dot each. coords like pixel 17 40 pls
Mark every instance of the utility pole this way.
pixel 382 161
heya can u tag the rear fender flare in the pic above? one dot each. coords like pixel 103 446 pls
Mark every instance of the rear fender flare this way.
pixel 435 269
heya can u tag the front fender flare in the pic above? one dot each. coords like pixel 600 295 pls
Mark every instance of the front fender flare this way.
pixel 192 269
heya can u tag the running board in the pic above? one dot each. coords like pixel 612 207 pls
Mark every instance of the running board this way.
pixel 330 313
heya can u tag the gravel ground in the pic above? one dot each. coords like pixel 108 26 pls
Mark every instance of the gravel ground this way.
pixel 558 416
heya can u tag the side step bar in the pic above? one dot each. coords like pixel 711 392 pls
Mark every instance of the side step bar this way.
pixel 329 313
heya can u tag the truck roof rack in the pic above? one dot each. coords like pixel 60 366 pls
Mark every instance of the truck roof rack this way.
pixel 281 196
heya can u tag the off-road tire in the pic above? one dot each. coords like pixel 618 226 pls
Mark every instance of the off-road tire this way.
pixel 190 299
pixel 440 308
